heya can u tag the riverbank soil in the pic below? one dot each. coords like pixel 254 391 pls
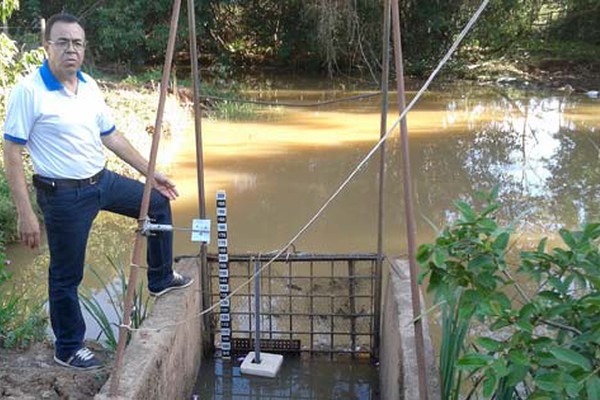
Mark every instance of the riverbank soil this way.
pixel 565 74
pixel 542 74
pixel 33 374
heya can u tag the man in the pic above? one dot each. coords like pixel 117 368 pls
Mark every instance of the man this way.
pixel 59 114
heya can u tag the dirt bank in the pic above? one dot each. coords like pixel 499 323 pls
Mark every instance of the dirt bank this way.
pixel 32 374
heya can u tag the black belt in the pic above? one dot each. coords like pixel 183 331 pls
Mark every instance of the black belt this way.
pixel 44 183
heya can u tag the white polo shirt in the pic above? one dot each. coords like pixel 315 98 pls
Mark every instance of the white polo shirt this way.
pixel 61 130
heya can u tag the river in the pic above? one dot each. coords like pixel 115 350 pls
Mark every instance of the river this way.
pixel 542 148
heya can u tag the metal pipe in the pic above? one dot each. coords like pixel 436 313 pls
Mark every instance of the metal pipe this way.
pixel 352 298
pixel 385 75
pixel 207 318
pixel 408 206
pixel 332 311
pixel 257 312
pixel 137 247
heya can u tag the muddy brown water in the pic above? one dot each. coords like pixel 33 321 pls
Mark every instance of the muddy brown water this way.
pixel 542 148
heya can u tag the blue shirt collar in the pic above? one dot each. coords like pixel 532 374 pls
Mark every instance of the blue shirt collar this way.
pixel 50 80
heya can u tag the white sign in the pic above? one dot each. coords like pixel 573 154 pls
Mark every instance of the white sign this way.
pixel 201 230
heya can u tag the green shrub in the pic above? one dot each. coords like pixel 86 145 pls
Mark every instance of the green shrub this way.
pixel 13 65
pixel 21 323
pixel 542 344
pixel 8 212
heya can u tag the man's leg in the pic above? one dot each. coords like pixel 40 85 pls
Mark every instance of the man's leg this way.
pixel 68 216
pixel 124 196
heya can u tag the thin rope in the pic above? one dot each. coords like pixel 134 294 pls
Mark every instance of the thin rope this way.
pixel 357 169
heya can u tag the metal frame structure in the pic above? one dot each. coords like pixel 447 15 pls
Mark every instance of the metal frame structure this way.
pixel 311 303
pixel 353 278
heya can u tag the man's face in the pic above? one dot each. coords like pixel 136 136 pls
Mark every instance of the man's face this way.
pixel 66 48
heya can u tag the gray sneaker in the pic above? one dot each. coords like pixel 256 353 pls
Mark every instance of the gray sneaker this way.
pixel 82 360
pixel 178 282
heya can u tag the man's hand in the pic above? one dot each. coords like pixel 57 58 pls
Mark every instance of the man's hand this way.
pixel 119 145
pixel 29 230
pixel 165 186
pixel 28 225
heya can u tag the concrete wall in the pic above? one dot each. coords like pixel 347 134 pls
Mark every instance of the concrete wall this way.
pixel 398 373
pixel 164 364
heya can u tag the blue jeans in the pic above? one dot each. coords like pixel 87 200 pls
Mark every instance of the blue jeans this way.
pixel 68 216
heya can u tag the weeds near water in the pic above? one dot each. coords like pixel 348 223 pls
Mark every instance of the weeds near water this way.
pixel 114 291
pixel 234 111
pixel 454 329
pixel 20 323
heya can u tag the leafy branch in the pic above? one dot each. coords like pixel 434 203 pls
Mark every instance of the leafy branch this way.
pixel 546 346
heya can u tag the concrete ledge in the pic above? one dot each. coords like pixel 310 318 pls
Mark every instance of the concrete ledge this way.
pixel 164 364
pixel 398 374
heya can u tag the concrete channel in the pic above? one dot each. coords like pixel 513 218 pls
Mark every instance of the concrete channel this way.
pixel 163 358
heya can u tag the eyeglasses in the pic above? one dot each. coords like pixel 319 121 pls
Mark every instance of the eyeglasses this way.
pixel 64 44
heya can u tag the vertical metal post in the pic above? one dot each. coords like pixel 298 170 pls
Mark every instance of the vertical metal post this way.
pixel 204 273
pixel 408 206
pixel 311 291
pixel 332 310
pixel 352 306
pixel 385 75
pixel 257 311
pixel 269 293
pixel 136 258
pixel 290 306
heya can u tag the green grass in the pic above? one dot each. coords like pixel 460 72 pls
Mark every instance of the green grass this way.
pixel 150 75
pixel 454 330
pixel 21 322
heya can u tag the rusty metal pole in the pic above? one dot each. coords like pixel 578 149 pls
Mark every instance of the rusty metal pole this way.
pixel 136 258
pixel 385 77
pixel 207 329
pixel 408 206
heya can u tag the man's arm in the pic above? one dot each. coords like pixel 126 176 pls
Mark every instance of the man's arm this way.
pixel 28 224
pixel 118 144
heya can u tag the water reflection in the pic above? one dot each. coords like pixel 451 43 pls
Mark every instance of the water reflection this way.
pixel 296 380
pixel 110 237
pixel 541 149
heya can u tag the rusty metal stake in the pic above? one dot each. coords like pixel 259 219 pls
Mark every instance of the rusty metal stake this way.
pixel 385 76
pixel 408 206
pixel 137 247
pixel 207 319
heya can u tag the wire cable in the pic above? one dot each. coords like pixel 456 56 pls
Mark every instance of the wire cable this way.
pixel 356 170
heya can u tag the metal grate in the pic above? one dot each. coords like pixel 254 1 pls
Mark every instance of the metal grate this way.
pixel 317 303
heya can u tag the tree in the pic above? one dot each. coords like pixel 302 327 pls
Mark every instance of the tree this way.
pixel 7 7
